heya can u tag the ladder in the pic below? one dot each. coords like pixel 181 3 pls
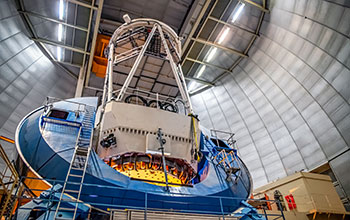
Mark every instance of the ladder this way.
pixel 228 161
pixel 75 176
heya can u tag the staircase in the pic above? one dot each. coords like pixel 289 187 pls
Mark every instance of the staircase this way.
pixel 228 161
pixel 75 176
pixel 225 159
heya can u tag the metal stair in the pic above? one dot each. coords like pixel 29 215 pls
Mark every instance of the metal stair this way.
pixel 75 176
pixel 226 160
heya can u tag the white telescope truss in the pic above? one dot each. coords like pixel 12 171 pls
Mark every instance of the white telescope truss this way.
pixel 144 37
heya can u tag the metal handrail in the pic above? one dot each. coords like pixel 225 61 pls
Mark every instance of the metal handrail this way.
pixel 146 200
pixel 132 91
pixel 50 100
pixel 230 141
pixel 144 191
pixel 149 96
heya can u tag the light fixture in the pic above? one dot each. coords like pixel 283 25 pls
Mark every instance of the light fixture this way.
pixel 211 54
pixel 59 53
pixel 223 35
pixel 237 12
pixel 201 70
pixel 61 10
pixel 60 32
pixel 191 86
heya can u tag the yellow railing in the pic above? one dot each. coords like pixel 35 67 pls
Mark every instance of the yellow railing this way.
pixel 9 180
pixel 225 158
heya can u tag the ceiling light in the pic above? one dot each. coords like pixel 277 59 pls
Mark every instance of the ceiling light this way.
pixel 237 12
pixel 223 35
pixel 60 12
pixel 192 86
pixel 59 53
pixel 199 88
pixel 60 32
pixel 201 70
pixel 211 54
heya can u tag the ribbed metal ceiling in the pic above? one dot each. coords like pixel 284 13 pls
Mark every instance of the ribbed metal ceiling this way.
pixel 288 103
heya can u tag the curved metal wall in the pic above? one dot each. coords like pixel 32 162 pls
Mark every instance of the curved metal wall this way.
pixel 288 103
pixel 27 77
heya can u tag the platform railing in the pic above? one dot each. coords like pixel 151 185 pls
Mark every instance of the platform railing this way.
pixel 51 100
pixel 155 98
pixel 221 202
pixel 223 135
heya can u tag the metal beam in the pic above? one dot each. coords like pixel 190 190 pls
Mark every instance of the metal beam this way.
pixel 260 7
pixel 245 52
pixel 247 49
pixel 94 88
pixel 195 25
pixel 202 41
pixel 45 41
pixel 93 43
pixel 82 73
pixel 82 4
pixel 200 30
pixel 29 27
pixel 52 20
pixel 231 68
pixel 188 16
pixel 207 64
pixel 233 25
pixel 199 90
pixel 67 63
pixel 200 81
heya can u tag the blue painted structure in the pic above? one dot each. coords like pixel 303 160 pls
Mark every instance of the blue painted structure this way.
pixel 47 148
pixel 46 204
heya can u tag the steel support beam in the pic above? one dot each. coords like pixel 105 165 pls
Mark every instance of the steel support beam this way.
pixel 53 20
pixel 135 65
pixel 254 34
pixel 68 63
pixel 199 90
pixel 82 4
pixel 260 7
pixel 45 41
pixel 207 64
pixel 28 25
pixel 188 17
pixel 200 30
pixel 178 74
pixel 202 41
pixel 86 67
pixel 80 82
pixel 200 81
pixel 195 25
pixel 247 49
pixel 232 25
pixel 93 44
